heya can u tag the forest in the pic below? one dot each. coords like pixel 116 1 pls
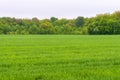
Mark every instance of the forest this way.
pixel 100 24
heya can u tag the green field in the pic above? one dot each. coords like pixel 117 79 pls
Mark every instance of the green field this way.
pixel 59 57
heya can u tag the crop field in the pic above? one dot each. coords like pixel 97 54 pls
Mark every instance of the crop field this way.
pixel 60 57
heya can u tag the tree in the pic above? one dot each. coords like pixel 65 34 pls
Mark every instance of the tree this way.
pixel 46 28
pixel 79 21
pixel 33 29
pixel 116 15
pixel 53 19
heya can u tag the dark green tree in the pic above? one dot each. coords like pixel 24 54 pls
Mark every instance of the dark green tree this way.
pixel 79 21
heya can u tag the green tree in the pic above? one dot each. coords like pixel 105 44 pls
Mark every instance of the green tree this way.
pixel 79 21
pixel 53 19
pixel 46 28
pixel 33 29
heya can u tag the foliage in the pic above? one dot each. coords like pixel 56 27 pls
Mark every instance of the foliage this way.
pixel 79 21
pixel 104 24
pixel 101 24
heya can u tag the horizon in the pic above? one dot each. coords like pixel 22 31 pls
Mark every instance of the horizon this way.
pixel 45 9
pixel 55 17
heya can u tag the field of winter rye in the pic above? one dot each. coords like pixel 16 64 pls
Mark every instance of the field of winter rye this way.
pixel 59 57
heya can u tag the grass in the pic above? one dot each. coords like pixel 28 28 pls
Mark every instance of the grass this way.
pixel 59 57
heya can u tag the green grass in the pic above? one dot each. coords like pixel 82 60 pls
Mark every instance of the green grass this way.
pixel 59 57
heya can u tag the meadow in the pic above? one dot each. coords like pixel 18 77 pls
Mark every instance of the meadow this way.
pixel 60 57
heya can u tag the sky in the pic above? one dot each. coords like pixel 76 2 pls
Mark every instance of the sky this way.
pixel 58 8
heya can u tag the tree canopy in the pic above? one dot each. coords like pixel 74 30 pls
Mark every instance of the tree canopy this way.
pixel 100 24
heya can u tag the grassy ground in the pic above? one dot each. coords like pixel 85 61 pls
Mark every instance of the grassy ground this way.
pixel 59 57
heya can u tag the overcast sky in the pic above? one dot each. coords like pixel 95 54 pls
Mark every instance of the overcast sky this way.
pixel 57 8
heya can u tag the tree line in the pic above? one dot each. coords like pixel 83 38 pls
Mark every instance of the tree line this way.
pixel 100 24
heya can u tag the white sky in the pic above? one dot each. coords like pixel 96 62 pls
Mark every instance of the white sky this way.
pixel 57 8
